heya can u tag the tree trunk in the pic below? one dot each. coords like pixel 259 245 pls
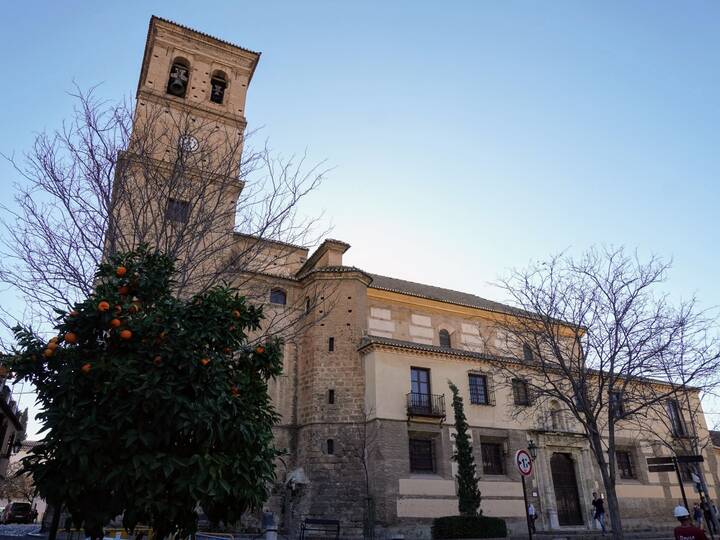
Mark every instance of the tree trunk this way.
pixel 613 508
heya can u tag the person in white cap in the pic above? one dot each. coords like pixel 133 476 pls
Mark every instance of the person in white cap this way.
pixel 686 530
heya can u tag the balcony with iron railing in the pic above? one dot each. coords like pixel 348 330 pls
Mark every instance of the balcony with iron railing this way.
pixel 426 405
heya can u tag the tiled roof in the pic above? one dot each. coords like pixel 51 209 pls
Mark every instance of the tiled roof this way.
pixel 335 269
pixel 430 292
pixel 203 34
pixel 369 341
pixel 715 438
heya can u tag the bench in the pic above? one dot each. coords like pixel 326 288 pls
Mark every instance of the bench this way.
pixel 320 528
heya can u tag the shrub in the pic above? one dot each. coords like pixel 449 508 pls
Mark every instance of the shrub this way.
pixel 468 527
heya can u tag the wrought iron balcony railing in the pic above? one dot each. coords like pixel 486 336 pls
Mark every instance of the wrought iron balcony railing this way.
pixel 429 405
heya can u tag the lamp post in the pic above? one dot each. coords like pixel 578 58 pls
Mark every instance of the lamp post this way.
pixel 532 448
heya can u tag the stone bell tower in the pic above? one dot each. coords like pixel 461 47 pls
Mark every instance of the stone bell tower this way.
pixel 189 73
pixel 181 174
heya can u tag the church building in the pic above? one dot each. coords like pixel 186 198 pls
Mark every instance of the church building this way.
pixel 366 412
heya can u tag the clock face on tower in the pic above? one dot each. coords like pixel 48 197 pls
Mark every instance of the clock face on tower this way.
pixel 188 143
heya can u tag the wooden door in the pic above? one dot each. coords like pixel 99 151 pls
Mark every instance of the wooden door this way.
pixel 566 490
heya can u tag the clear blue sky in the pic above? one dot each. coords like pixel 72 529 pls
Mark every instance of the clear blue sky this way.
pixel 468 137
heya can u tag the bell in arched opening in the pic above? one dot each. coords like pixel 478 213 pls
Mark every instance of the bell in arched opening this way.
pixel 179 77
pixel 218 84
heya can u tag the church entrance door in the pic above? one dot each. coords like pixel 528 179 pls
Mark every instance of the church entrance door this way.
pixel 566 489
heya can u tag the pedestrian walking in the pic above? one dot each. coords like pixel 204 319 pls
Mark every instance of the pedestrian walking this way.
pixel 697 515
pixel 686 530
pixel 598 505
pixel 707 513
pixel 532 516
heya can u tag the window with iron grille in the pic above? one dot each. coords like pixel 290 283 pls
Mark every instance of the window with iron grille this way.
pixel 492 458
pixel 676 420
pixel 444 338
pixel 520 392
pixel 617 405
pixel 478 389
pixel 422 456
pixel 178 211
pixel 625 464
pixel 686 471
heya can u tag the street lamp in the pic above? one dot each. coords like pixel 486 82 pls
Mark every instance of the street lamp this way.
pixel 532 449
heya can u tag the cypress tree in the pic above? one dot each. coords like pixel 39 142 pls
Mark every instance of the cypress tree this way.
pixel 468 492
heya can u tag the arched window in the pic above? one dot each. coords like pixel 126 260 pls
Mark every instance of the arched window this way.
pixel 527 352
pixel 444 336
pixel 556 418
pixel 179 77
pixel 278 296
pixel 218 84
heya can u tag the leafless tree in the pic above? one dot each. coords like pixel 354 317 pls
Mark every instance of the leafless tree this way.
pixel 17 485
pixel 118 175
pixel 596 339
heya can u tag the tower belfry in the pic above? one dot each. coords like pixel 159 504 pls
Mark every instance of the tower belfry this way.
pixel 178 182
pixel 194 86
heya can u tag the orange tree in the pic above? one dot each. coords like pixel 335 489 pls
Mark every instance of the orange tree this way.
pixel 154 407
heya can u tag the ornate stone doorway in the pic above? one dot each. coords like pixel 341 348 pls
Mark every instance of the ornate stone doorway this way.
pixel 566 489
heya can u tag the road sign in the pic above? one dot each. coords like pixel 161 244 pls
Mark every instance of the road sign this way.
pixel 660 460
pixel 690 459
pixel 661 468
pixel 523 462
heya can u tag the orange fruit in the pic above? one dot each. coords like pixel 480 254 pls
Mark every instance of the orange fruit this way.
pixel 71 337
pixel 52 345
pixel 157 361
pixel 260 349
pixel 86 368
pixel 235 391
pixel 103 306
pixel 121 271
pixel 205 361
pixel 54 339
pixel 47 353
pixel 3 371
pixel 115 323
pixel 236 314
pixel 125 334
pixel 124 290
pixel 73 313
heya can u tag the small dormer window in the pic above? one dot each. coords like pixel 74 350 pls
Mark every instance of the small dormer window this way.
pixel 278 296
pixel 218 84
pixel 444 337
pixel 179 77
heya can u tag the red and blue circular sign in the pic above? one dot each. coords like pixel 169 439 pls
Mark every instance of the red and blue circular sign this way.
pixel 523 462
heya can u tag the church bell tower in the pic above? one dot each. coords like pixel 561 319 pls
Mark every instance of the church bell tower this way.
pixel 178 182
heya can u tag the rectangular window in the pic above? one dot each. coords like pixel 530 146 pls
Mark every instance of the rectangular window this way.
pixel 331 344
pixel 686 472
pixel 178 211
pixel 422 458
pixel 478 389
pixel 676 420
pixel 625 464
pixel 617 406
pixel 492 458
pixel 331 397
pixel 520 392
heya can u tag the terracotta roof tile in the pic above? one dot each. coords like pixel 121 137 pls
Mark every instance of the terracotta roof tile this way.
pixel 431 292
